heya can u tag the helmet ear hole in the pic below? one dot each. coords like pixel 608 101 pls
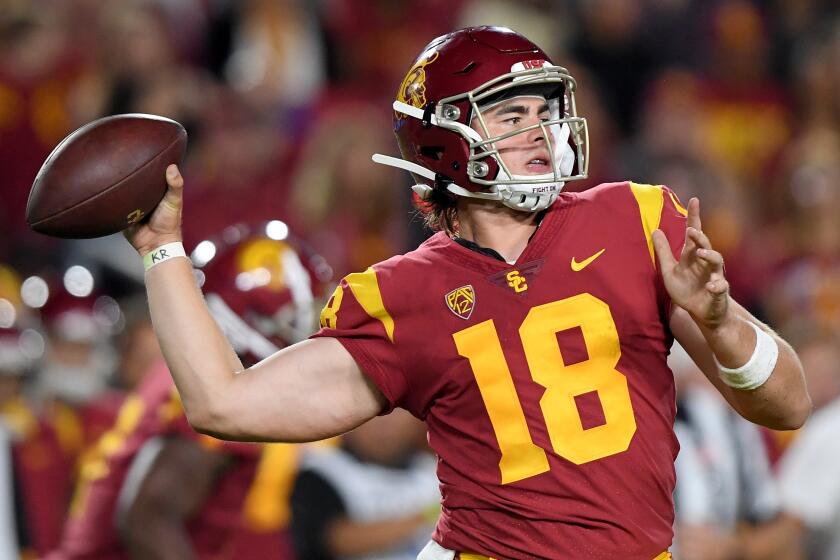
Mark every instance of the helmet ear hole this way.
pixel 432 152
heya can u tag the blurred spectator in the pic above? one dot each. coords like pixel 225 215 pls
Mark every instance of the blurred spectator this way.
pixel 154 486
pixel 277 58
pixel 810 487
pixel 38 66
pixel 239 168
pixel 353 211
pixel 8 523
pixel 17 426
pixel 613 45
pixel 745 111
pixel 372 41
pixel 137 344
pixel 805 288
pixel 140 65
pixel 375 496
pixel 725 490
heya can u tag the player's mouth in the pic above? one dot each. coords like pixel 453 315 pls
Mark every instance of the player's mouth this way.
pixel 538 165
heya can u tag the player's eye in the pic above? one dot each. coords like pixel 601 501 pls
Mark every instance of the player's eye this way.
pixel 513 120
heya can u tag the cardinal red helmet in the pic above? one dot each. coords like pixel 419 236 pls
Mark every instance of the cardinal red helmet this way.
pixel 438 113
pixel 263 286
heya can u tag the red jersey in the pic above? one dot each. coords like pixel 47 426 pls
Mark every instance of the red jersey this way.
pixel 153 411
pixel 544 383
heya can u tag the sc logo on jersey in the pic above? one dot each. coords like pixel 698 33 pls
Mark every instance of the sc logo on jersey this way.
pixel 517 281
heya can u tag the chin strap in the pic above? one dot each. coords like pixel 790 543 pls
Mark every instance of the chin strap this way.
pixel 422 190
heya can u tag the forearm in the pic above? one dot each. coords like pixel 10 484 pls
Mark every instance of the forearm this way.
pixel 780 539
pixel 158 539
pixel 199 357
pixel 350 538
pixel 781 402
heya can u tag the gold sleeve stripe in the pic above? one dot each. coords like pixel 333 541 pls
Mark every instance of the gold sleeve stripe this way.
pixel 680 208
pixel 365 288
pixel 651 201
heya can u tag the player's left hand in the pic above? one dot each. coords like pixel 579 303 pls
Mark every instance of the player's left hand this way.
pixel 696 282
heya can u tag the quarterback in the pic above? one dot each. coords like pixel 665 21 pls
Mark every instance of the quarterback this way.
pixel 530 333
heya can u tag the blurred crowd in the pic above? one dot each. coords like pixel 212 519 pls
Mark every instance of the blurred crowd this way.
pixel 734 101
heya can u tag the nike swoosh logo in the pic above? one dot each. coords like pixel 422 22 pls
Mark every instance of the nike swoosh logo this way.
pixel 578 266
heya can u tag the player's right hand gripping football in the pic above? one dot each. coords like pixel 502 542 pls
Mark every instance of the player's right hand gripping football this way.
pixel 164 224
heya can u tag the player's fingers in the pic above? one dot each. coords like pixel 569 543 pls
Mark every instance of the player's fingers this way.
pixel 175 192
pixel 712 257
pixel 663 250
pixel 693 218
pixel 718 286
pixel 699 238
pixel 174 178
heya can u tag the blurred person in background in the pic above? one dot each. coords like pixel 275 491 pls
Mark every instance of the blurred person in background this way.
pixel 17 426
pixel 153 487
pixel 804 290
pixel 43 451
pixel 808 471
pixel 746 112
pixel 350 210
pixel 137 345
pixel 9 545
pixel 726 493
pixel 373 497
pixel 38 68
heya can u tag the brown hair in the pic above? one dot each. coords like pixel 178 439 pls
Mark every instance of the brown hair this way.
pixel 439 211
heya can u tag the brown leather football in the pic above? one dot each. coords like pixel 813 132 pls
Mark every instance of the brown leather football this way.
pixel 105 176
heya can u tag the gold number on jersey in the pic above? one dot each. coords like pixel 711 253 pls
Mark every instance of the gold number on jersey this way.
pixel 329 314
pixel 521 457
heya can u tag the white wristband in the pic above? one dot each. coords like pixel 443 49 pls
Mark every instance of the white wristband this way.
pixel 758 368
pixel 163 253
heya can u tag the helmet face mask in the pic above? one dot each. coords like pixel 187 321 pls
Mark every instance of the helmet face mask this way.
pixel 441 119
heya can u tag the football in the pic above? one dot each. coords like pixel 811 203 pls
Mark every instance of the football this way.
pixel 105 176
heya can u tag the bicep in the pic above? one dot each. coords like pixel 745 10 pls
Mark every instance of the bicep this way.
pixel 309 391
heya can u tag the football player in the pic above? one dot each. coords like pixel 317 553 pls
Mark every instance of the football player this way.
pixel 530 333
pixel 154 487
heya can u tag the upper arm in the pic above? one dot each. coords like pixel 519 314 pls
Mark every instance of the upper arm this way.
pixel 168 483
pixel 308 391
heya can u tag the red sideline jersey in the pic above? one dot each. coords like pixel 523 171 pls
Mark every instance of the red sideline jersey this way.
pixel 544 383
pixel 153 411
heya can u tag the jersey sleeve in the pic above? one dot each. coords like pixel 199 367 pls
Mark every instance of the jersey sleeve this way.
pixel 659 208
pixel 357 316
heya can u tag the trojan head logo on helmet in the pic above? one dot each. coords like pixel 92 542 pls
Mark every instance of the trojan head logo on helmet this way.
pixel 440 119
pixel 263 286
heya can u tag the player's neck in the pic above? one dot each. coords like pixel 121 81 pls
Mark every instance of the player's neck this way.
pixel 497 227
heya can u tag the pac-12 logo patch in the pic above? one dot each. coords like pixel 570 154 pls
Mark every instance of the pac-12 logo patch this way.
pixel 461 301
